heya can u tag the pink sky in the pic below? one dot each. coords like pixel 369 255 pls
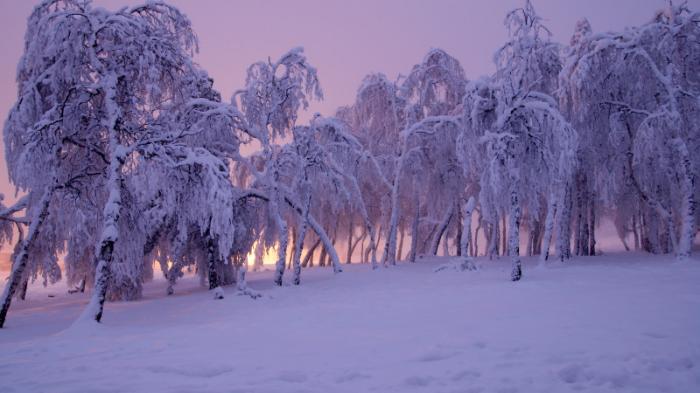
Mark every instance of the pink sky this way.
pixel 345 40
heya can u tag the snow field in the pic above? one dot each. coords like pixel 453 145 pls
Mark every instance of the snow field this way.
pixel 617 323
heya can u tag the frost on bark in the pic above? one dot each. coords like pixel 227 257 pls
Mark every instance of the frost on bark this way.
pixel 687 229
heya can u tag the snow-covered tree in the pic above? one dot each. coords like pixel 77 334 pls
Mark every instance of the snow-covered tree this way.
pixel 634 96
pixel 528 146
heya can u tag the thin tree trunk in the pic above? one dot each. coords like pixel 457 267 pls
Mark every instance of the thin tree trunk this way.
pixel 530 237
pixel 441 230
pixel 537 238
pixel 564 236
pixel 446 244
pixel 350 233
pixel 22 256
pixel 25 281
pixel 308 259
pixel 493 238
pixel 592 225
pixel 374 252
pixel 290 252
pixel 389 257
pixel 635 233
pixel 322 258
pixel 299 244
pixel 283 237
pixel 514 235
pixel 687 234
pixel 327 245
pixel 259 251
pixel 359 240
pixel 333 242
pixel 475 249
pixel 578 229
pixel 174 273
pixel 414 229
pixel 213 259
pixel 379 236
pixel 460 229
pixel 465 235
pixel 400 248
pixel 504 236
pixel 111 210
pixel 362 250
pixel 548 227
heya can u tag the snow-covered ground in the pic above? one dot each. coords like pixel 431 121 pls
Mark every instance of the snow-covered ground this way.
pixel 617 323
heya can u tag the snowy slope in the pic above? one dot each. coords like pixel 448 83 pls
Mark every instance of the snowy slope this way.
pixel 622 323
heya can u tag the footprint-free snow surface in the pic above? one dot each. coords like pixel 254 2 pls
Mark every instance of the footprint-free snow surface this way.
pixel 618 323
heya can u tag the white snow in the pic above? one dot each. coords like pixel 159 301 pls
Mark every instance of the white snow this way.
pixel 614 323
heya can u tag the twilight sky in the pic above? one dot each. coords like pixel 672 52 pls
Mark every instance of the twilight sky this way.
pixel 345 40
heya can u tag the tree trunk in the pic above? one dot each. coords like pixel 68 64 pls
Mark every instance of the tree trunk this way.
pixel 465 235
pixel 637 243
pixel 259 251
pixel 298 248
pixel 322 257
pixel 333 242
pixel 359 240
pixel 460 229
pixel 213 260
pixel 414 229
pixel 578 228
pixel 530 237
pixel 514 235
pixel 493 238
pixel 548 227
pixel 441 230
pixel 174 273
pixel 112 208
pixel 564 236
pixel 446 243
pixel 475 250
pixel 399 250
pixel 351 229
pixel 110 234
pixel 290 260
pixel 308 259
pixel 362 250
pixel 374 251
pixel 283 238
pixel 389 257
pixel 591 225
pixel 327 245
pixel 22 256
pixel 687 234
pixel 504 235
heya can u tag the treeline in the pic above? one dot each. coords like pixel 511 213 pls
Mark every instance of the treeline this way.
pixel 128 158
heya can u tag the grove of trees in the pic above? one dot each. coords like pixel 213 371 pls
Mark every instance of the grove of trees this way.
pixel 128 160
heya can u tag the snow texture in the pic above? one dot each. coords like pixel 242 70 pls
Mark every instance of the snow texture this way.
pixel 613 323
